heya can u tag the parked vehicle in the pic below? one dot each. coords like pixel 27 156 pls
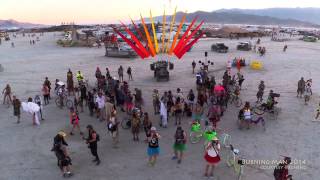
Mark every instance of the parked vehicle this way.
pixel 220 48
pixel 244 46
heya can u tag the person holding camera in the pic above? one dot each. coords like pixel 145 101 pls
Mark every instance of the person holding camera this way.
pixel 92 142
pixel 212 156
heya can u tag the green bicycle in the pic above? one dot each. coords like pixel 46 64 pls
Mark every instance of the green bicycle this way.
pixel 235 162
pixel 197 133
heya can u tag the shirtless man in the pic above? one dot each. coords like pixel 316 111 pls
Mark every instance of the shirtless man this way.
pixel 7 94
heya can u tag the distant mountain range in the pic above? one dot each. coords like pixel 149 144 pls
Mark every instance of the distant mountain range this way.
pixel 296 17
pixel 237 17
pixel 12 24
pixel 311 15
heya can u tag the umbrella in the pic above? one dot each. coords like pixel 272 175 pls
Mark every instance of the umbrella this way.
pixel 31 108
pixel 60 83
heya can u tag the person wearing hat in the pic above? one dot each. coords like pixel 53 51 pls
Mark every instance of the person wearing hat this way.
pixel 92 140
pixel 260 91
pixel 153 146
pixel 212 156
pixel 180 144
pixel 58 141
pixel 60 149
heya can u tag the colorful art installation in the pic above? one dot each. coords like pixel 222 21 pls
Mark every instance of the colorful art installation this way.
pixel 179 48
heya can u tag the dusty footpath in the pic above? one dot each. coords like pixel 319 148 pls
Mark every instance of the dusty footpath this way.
pixel 25 150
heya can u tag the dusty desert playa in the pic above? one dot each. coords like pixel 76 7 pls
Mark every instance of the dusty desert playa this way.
pixel 25 150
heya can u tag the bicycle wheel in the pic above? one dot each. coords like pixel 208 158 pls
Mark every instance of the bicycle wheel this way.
pixel 57 101
pixel 69 103
pixel 125 123
pixel 263 123
pixel 238 102
pixel 225 139
pixel 259 109
pixel 195 137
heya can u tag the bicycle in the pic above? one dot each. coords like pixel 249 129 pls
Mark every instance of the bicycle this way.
pixel 65 101
pixel 261 108
pixel 236 100
pixel 254 121
pixel 197 133
pixel 234 161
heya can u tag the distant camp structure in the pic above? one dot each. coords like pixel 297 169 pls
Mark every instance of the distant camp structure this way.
pixel 115 48
pixel 78 38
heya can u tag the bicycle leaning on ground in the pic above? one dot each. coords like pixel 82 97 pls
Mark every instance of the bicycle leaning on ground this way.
pixel 235 161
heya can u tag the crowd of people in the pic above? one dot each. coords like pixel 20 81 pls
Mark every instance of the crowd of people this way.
pixel 111 96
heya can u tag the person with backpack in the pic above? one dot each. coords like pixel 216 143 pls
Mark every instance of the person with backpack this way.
pixel 92 141
pixel 113 128
pixel 37 100
pixel 74 120
pixel 281 172
pixel 180 144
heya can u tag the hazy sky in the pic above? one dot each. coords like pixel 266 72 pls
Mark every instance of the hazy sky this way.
pixel 106 11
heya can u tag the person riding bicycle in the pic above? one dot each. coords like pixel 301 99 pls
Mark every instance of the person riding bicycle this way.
pixel 271 100
pixel 245 115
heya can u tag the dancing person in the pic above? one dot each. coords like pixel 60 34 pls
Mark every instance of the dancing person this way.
pixel 153 146
pixel 179 144
pixel 92 140
pixel 74 120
